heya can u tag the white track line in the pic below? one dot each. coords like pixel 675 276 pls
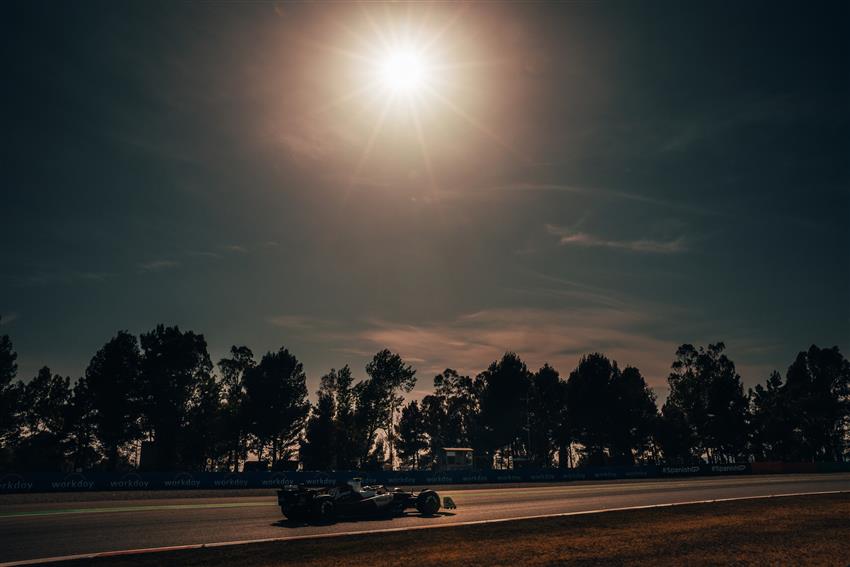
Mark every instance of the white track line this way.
pixel 389 530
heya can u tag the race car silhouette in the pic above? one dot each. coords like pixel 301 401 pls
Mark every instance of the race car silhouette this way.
pixel 350 499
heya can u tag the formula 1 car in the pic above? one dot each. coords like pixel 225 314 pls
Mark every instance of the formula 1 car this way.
pixel 351 499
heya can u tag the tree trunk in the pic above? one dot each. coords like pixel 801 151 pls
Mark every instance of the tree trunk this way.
pixel 113 458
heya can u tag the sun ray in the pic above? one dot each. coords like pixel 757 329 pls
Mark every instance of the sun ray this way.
pixel 379 33
pixel 426 157
pixel 364 40
pixel 340 100
pixel 480 127
pixel 470 64
pixel 448 25
pixel 423 25
pixel 379 123
pixel 334 49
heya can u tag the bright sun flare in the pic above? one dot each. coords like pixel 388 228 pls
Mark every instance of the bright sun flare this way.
pixel 406 69
pixel 403 72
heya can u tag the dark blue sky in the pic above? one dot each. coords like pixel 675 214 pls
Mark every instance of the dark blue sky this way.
pixel 621 177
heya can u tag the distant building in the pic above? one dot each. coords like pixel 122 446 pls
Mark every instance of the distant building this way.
pixel 454 459
pixel 286 465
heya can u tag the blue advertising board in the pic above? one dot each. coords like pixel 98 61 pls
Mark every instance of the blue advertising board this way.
pixel 102 481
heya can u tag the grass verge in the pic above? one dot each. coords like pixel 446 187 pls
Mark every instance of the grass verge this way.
pixel 812 530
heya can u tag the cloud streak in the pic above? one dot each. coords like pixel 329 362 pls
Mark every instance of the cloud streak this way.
pixel 469 342
pixel 63 278
pixel 531 187
pixel 559 337
pixel 567 237
pixel 8 318
pixel 299 322
pixel 158 265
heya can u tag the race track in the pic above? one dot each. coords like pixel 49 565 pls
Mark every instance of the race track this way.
pixel 44 529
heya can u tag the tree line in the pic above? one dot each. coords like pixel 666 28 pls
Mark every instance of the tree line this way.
pixel 158 402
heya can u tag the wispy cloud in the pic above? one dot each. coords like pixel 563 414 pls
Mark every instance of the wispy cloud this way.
pixel 7 318
pixel 299 322
pixel 303 146
pixel 308 141
pixel 469 342
pixel 530 186
pixel 563 293
pixel 233 249
pixel 158 265
pixel 559 337
pixel 684 132
pixel 567 237
pixel 218 252
pixel 58 277
pixel 203 254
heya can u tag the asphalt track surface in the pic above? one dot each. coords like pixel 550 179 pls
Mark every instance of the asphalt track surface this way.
pixel 53 529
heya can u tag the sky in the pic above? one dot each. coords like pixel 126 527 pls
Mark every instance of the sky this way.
pixel 621 177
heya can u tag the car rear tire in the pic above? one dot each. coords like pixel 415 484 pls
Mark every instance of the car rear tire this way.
pixel 324 510
pixel 428 503
pixel 294 514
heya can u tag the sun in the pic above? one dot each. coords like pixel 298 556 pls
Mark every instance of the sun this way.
pixel 403 71
pixel 409 70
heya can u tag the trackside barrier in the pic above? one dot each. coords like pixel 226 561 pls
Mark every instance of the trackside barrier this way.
pixel 777 467
pixel 788 468
pixel 833 467
pixel 101 481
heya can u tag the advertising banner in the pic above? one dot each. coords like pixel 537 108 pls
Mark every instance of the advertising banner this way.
pixel 102 481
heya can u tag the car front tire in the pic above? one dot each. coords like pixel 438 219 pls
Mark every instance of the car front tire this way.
pixel 428 503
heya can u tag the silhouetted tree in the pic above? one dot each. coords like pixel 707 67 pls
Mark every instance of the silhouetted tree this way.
pixel 587 387
pixel 377 457
pixel 318 448
pixel 202 443
pixel 504 405
pixel 379 396
pixel 612 413
pixel 817 386
pixel 590 406
pixel 347 438
pixel 276 405
pixel 774 434
pixel 8 358
pixel 174 364
pixel 114 391
pixel 675 436
pixel 563 435
pixel 461 395
pixel 708 395
pixel 548 413
pixel 412 438
pixel 634 417
pixel 44 402
pixel 166 389
pixel 450 414
pixel 234 434
pixel 79 430
pixel 435 418
pixel 10 400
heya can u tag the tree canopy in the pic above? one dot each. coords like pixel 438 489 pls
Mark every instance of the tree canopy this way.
pixel 157 402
